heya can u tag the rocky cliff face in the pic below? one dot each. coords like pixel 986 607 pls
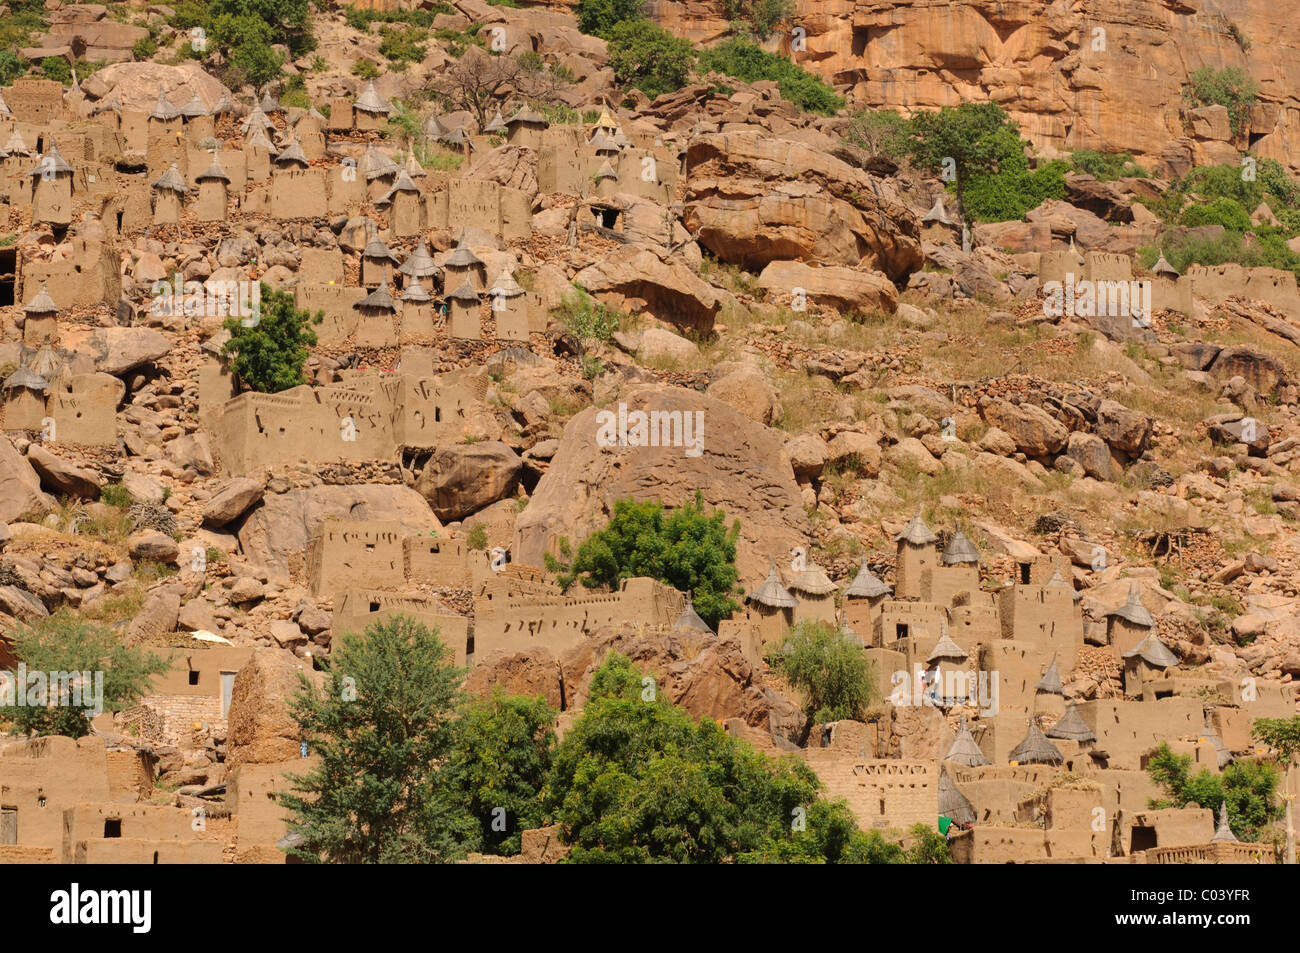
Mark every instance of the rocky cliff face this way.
pixel 1088 74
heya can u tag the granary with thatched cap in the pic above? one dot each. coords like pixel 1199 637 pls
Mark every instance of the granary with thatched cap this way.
pixel 1223 834
pixel 603 145
pixel 1050 683
pixel 1072 727
pixel 459 140
pixel 1035 749
pixel 495 124
pixel 22 404
pixel 509 307
pixel 916 556
pixel 379 301
pixel 164 113
pixel 1129 623
pixel 371 102
pixel 268 103
pixel 463 265
pixel 17 145
pixel 405 207
pixel 377 262
pixel 690 620
pixel 605 122
pixel 1162 268
pixel 960 551
pixel 525 128
pixel 214 190
pixel 433 128
pixel 464 314
pixel 862 599
pixel 256 121
pixel 194 109
pixel 419 264
pixel 771 606
pixel 1146 662
pixel 417 311
pixel 606 180
pixel 292 156
pixel 964 750
pixel 815 594
pixel 952 803
pixel 40 320
pixel 169 189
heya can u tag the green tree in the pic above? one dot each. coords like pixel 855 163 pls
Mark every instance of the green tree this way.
pixel 1246 786
pixel 649 58
pixel 270 351
pixel 879 132
pixel 1230 88
pixel 498 765
pixel 972 140
pixel 599 17
pixel 1284 735
pixel 62 644
pixel 750 63
pixel 833 673
pixel 380 728
pixel 11 67
pixel 757 17
pixel 688 549
pixel 246 42
pixel 637 780
pixel 57 69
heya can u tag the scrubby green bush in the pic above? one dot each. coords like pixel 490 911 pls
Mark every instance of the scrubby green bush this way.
pixel 1107 166
pixel 1230 88
pixel 1226 212
pixel 599 17
pixel 750 63
pixel 649 58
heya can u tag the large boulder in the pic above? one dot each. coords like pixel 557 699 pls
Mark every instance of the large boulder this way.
pixel 20 486
pixel 654 282
pixel 261 729
pixel 845 289
pixel 752 199
pixel 275 535
pixel 135 86
pixel 463 478
pixel 1035 432
pixel 1261 371
pixel 737 464
pixel 63 476
pixel 746 388
pixel 1124 429
pixel 232 501
pixel 118 350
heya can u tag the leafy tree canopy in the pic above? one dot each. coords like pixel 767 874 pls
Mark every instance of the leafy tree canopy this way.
pixel 269 352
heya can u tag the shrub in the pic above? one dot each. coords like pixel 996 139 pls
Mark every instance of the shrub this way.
pixel 1225 212
pixel 57 69
pixel 750 63
pixel 1009 193
pixel 476 538
pixel 115 494
pixel 11 67
pixel 1230 88
pixel 1246 786
pixel 688 549
pixel 403 45
pixel 758 17
pixel 599 17
pixel 649 58
pixel 879 132
pixel 63 644
pixel 1107 166
pixel 269 355
pixel 831 671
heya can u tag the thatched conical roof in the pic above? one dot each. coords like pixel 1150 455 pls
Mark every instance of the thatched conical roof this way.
pixel 1162 267
pixel 606 171
pixel 41 303
pixel 258 139
pixel 462 257
pixel 1221 752
pixel 17 146
pixel 256 120
pixel 214 171
pixel 269 104
pixel 1133 610
pixel 465 292
pixel 600 142
pixel 946 648
pixel 506 286
pixel 771 592
pixel 25 378
pixel 416 292
pixel 952 803
pixel 433 128
pixel 689 619
pixel 377 165
pixel 292 154
pixel 526 115
pixel 496 123
pixel 52 163
pixel 1050 683
pixel 916 533
pixel 163 110
pixel 865 585
pixel 171 181
pixel 375 248
pixel 813 581
pixel 937 213
pixel 194 108
pixel 379 300
pixel 402 183
pixel 1072 727
pixel 419 264
pixel 1154 652
pixel 1036 749
pixel 371 102
pixel 1223 835
pixel 964 750
pixel 959 551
